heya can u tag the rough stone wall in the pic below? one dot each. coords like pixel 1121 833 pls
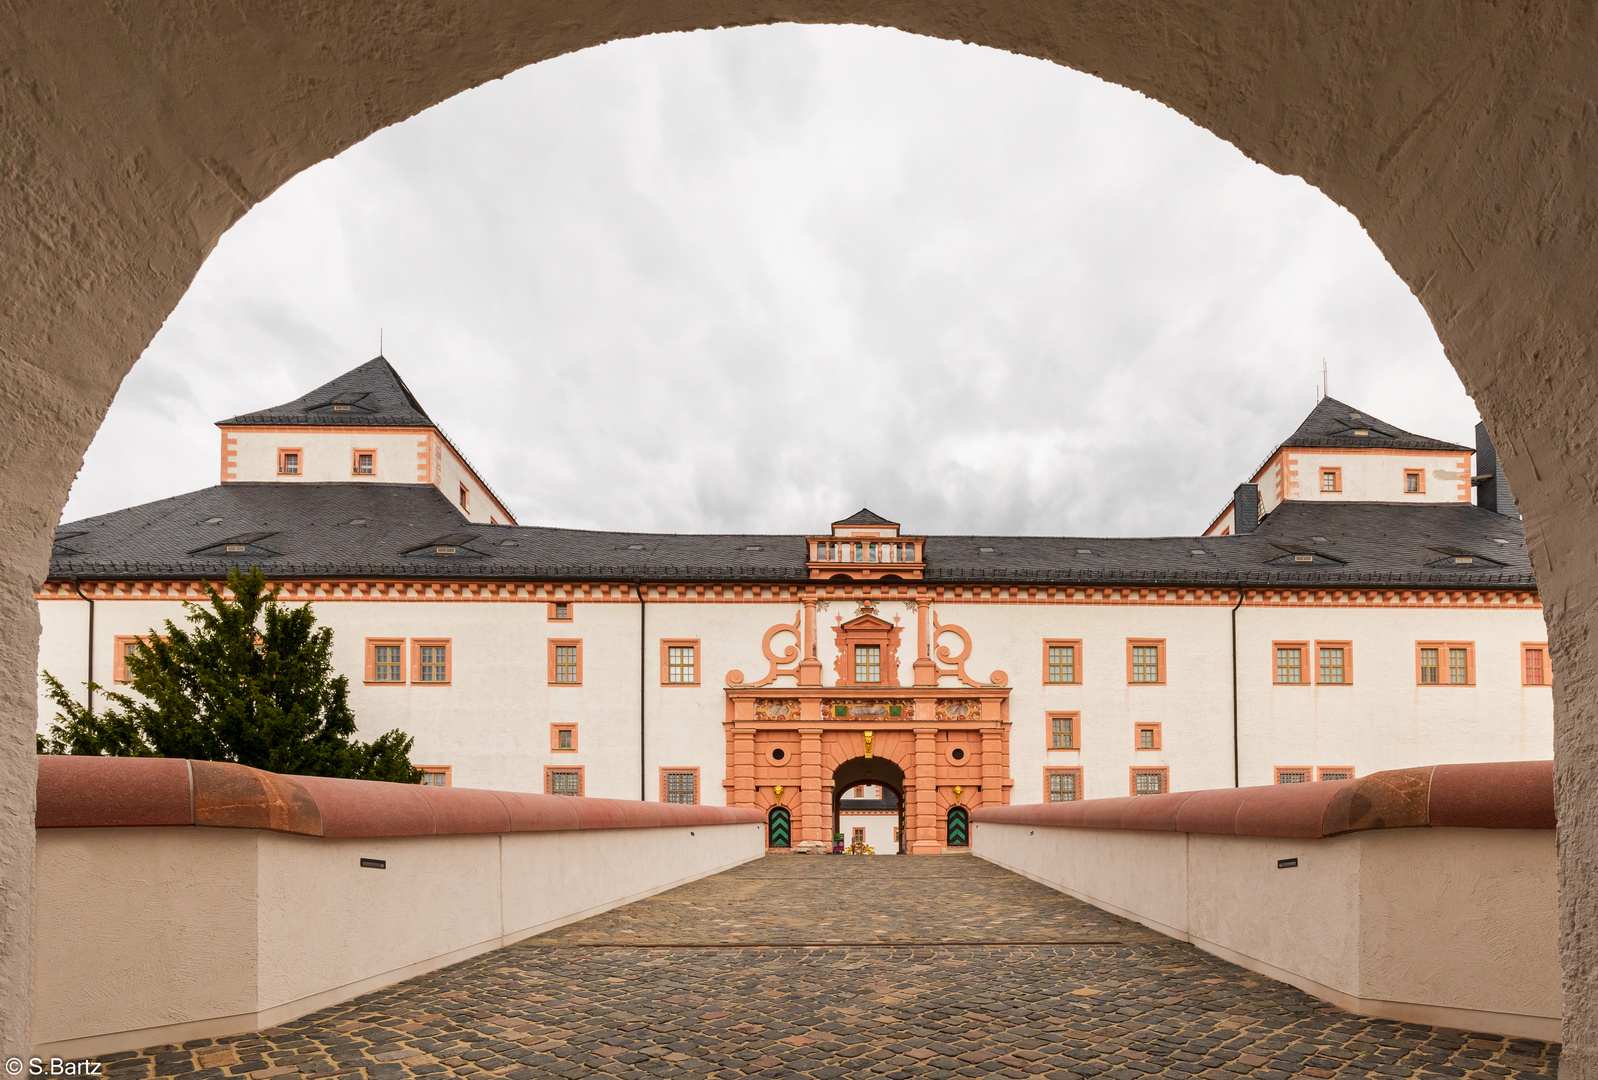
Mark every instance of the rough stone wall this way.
pixel 1461 136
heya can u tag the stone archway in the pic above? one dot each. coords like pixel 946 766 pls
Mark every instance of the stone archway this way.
pixel 876 770
pixel 1462 139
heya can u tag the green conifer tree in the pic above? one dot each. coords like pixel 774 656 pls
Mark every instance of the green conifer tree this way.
pixel 249 680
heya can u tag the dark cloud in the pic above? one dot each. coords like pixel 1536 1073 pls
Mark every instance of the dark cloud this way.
pixel 755 279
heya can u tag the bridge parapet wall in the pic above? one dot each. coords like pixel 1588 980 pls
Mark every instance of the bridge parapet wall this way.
pixel 189 899
pixel 1426 895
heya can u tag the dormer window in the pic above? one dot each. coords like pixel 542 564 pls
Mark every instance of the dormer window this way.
pixel 341 408
pixel 1362 432
pixel 444 549
pixel 869 548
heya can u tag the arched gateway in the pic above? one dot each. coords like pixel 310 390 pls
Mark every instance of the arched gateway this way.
pixel 800 736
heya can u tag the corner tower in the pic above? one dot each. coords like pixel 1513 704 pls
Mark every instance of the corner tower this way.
pixel 363 427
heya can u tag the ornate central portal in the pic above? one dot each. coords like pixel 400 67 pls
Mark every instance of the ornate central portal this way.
pixel 785 743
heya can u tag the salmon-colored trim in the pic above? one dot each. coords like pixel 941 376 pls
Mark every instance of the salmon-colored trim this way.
pixel 553 615
pixel 1348 662
pixel 1136 770
pixel 1420 486
pixel 413 589
pixel 1320 479
pixel 666 645
pixel 371 661
pixel 1488 795
pixel 1321 771
pixel 108 792
pixel 557 642
pixel 448 771
pixel 1137 734
pixel 1076 665
pixel 1159 659
pixel 416 660
pixel 1547 672
pixel 1442 648
pixel 230 456
pixel 1064 770
pixel 554 738
pixel 355 461
pixel 1307 770
pixel 699 791
pixel 1304 676
pixel 582 779
pixel 299 461
pixel 1076 732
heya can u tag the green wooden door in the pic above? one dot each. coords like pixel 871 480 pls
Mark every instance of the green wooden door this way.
pixel 778 827
pixel 959 826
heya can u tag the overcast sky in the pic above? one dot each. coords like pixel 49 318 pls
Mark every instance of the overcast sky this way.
pixel 751 280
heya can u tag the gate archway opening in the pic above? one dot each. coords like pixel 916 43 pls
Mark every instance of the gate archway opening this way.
pixel 875 772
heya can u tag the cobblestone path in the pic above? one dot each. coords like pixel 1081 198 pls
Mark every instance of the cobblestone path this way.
pixel 821 966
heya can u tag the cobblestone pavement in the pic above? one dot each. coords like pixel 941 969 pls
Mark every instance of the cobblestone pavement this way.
pixel 822 966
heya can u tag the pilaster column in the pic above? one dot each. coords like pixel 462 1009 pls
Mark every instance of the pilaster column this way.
pixel 743 766
pixel 926 670
pixel 810 793
pixel 926 793
pixel 993 770
pixel 809 669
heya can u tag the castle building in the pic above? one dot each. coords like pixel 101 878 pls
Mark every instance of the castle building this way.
pixel 1351 609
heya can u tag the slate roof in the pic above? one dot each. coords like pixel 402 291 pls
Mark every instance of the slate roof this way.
pixel 1332 423
pixel 374 392
pixel 864 517
pixel 369 530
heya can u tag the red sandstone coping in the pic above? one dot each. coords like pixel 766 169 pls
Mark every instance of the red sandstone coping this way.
pixel 1488 795
pixel 108 792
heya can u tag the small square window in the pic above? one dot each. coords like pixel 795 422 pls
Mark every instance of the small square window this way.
pixel 679 663
pixel 563 737
pixel 289 462
pixel 1412 482
pixel 363 463
pixel 560 611
pixel 435 775
pixel 388 663
pixel 680 786
pixel 563 781
pixel 1065 785
pixel 1328 480
pixel 1147 737
pixel 1149 781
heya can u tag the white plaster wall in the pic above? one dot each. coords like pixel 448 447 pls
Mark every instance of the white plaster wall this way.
pixel 153 935
pixel 491 724
pixel 1444 926
pixel 328 455
pixel 451 472
pixel 1139 875
pixel 1383 720
pixel 1370 477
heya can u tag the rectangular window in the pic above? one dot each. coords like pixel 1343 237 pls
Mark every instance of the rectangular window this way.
pixel 1428 667
pixel 1147 737
pixel 1334 663
pixel 385 660
pixel 566 663
pixel 436 775
pixel 563 738
pixel 1150 781
pixel 1063 785
pixel 1413 482
pixel 1335 772
pixel 1293 775
pixel 1445 663
pixel 679 662
pixel 1331 479
pixel 868 663
pixel 363 463
pixel 1062 662
pixel 288 461
pixel 430 661
pixel 1145 660
pixel 465 498
pixel 1289 664
pixel 1534 670
pixel 563 781
pixel 122 648
pixel 1063 731
pixel 560 611
pixel 679 786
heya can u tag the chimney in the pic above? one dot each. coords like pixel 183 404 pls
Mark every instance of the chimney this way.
pixel 1246 508
pixel 1492 487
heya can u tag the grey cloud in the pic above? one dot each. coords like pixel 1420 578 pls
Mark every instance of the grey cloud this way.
pixel 755 279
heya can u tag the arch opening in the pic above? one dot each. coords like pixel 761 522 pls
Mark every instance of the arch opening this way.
pixel 868 806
